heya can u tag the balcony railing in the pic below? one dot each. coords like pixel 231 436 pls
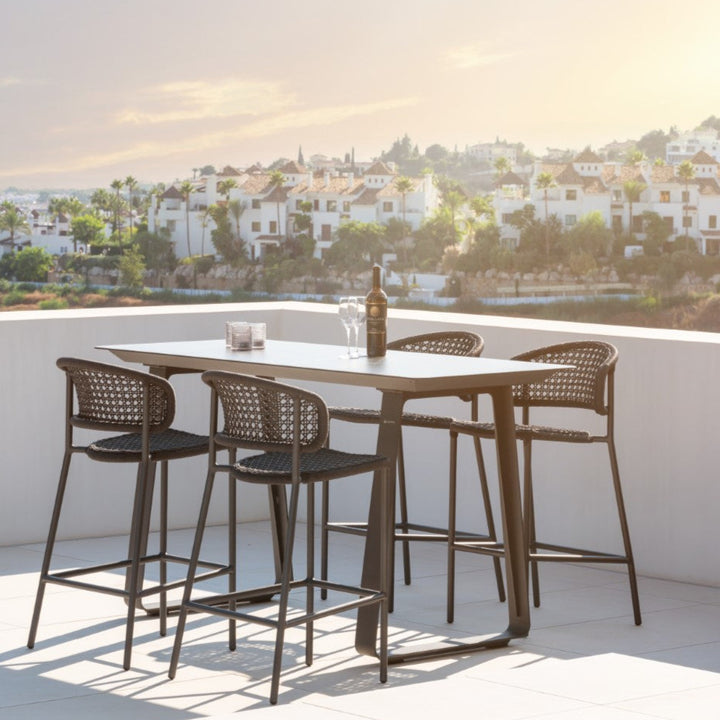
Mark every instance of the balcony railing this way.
pixel 667 394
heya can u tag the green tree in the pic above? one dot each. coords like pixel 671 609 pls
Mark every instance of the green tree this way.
pixel 132 268
pixel 657 233
pixel 223 238
pixel 14 222
pixel 358 246
pixel 589 236
pixel 686 172
pixel 87 230
pixel 32 264
pixel 633 190
pixel 544 182
pixel 157 249
pixel 635 156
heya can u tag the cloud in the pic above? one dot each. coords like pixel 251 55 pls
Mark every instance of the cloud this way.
pixel 8 81
pixel 472 56
pixel 260 127
pixel 199 100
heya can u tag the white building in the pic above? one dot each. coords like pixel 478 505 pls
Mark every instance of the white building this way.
pixel 269 210
pixel 687 145
pixel 588 185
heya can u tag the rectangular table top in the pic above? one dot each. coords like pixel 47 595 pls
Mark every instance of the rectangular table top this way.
pixel 415 373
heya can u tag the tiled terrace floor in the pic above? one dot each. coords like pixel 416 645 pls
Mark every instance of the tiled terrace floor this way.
pixel 583 660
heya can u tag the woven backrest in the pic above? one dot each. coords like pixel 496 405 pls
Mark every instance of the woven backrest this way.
pixel 113 398
pixel 261 414
pixel 582 386
pixel 454 342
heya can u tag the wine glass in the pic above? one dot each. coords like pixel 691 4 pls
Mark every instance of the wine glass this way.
pixel 347 308
pixel 358 322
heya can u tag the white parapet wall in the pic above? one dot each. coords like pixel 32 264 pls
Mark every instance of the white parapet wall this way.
pixel 667 400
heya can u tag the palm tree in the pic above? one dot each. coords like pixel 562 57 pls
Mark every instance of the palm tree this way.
pixel 502 166
pixel 131 183
pixel 13 221
pixel 633 189
pixel 186 190
pixel 225 186
pixel 686 171
pixel 236 209
pixel 544 181
pixel 404 185
pixel 277 180
pixel 204 221
pixel 452 200
pixel 117 186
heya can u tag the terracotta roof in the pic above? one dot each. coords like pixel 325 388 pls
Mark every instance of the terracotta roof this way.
pixel 569 176
pixel 390 190
pixel 256 184
pixel 172 193
pixel 510 178
pixel 379 168
pixel 707 186
pixel 625 173
pixel 663 174
pixel 254 169
pixel 587 155
pixel 278 194
pixel 593 186
pixel 702 158
pixel 367 197
pixel 336 186
pixel 292 167
pixel 229 171
pixel 553 169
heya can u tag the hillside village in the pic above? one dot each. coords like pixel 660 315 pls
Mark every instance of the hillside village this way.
pixel 247 218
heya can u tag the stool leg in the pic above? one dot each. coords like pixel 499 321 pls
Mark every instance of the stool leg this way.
pixel 137 539
pixel 625 533
pixel 530 519
pixel 492 533
pixel 232 550
pixel 324 534
pixel 49 545
pixel 192 570
pixel 284 593
pixel 402 493
pixel 310 562
pixel 163 545
pixel 386 549
pixel 452 510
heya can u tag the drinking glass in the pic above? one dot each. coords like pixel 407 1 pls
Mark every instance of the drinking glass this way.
pixel 347 308
pixel 358 322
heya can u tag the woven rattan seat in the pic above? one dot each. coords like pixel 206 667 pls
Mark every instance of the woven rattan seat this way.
pixel 586 384
pixel 457 342
pixel 108 398
pixel 290 427
pixel 530 432
pixel 165 445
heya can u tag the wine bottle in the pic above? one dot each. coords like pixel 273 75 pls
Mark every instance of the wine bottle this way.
pixel 376 317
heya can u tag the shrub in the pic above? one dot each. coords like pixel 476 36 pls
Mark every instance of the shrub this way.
pixel 53 304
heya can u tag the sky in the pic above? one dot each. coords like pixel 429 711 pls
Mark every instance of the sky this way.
pixel 94 90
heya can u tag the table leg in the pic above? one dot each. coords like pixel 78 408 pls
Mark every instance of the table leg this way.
pixel 513 535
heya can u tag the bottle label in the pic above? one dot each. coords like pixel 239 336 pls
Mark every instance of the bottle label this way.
pixel 376 314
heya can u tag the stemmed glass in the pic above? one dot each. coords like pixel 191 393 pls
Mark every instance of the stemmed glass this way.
pixel 347 308
pixel 357 324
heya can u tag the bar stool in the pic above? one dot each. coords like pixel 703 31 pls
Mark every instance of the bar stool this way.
pixel 458 342
pixel 289 426
pixel 142 407
pixel 587 384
